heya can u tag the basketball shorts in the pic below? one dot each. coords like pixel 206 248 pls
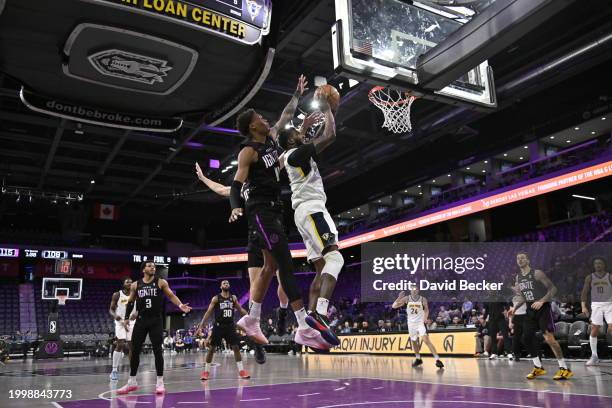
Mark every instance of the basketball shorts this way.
pixel 225 332
pixel 266 220
pixel 541 319
pixel 416 330
pixel 316 227
pixel 601 311
pixel 121 332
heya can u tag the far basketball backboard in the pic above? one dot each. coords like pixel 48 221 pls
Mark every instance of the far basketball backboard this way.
pixel 70 287
pixel 379 41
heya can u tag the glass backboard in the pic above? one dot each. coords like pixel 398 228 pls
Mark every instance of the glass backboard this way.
pixel 379 41
pixel 72 287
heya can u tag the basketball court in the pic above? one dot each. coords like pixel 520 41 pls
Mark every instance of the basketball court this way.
pixel 452 121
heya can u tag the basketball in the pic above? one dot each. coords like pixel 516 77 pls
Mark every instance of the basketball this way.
pixel 330 93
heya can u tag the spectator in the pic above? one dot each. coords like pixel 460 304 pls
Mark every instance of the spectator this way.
pixel 443 316
pixel 467 308
pixel 169 342
pixel 346 329
pixel 365 327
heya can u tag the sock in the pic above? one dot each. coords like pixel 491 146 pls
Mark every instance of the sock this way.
pixel 322 304
pixel 300 316
pixel 561 362
pixel 284 305
pixel 593 343
pixel 418 356
pixel 132 380
pixel 537 362
pixel 240 365
pixel 206 366
pixel 160 380
pixel 437 357
pixel 117 355
pixel 255 310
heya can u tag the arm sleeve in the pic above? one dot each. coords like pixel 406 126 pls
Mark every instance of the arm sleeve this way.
pixel 302 155
pixel 235 201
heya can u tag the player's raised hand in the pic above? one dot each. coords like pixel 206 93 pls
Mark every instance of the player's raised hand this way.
pixel 185 308
pixel 236 213
pixel 199 172
pixel 302 85
pixel 311 120
pixel 401 295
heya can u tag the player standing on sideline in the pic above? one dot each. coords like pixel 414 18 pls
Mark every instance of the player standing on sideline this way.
pixel 538 291
pixel 120 309
pixel 148 293
pixel 258 165
pixel 599 282
pixel 222 305
pixel 417 311
pixel 312 219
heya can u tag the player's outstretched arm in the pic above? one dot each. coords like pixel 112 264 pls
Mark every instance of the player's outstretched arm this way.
pixel 400 301
pixel 163 284
pixel 209 311
pixel 289 110
pixel 218 188
pixel 246 156
pixel 329 134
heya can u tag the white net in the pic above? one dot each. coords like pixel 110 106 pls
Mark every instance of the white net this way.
pixel 395 105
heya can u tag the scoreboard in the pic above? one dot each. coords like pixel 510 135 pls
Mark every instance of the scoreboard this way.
pixel 244 21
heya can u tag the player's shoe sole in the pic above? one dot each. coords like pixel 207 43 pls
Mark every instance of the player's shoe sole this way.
pixel 536 372
pixel 127 389
pixel 313 321
pixel 311 338
pixel 250 325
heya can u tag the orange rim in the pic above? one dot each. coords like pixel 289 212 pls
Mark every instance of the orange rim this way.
pixel 372 97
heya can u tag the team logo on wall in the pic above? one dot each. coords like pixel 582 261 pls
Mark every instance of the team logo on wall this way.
pixel 130 66
pixel 51 347
pixel 254 8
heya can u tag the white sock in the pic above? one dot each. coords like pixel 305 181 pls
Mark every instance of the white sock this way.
pixel 284 305
pixel 240 365
pixel 593 343
pixel 132 380
pixel 255 310
pixel 300 316
pixel 322 304
pixel 537 362
pixel 437 357
pixel 160 380
pixel 561 362
pixel 418 355
pixel 206 366
pixel 117 356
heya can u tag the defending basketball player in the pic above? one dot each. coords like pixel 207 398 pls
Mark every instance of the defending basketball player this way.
pixel 599 284
pixel 538 291
pixel 258 164
pixel 224 328
pixel 148 293
pixel 120 310
pixel 417 311
pixel 312 219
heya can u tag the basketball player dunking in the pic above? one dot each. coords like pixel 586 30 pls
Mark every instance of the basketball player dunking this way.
pixel 148 293
pixel 312 219
pixel 599 283
pixel 258 165
pixel 417 311
pixel 537 291
pixel 222 305
pixel 120 309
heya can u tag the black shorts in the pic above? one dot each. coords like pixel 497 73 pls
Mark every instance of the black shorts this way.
pixel 266 219
pixel 539 319
pixel 255 256
pixel 224 332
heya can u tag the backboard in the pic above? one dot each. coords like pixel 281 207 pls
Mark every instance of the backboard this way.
pixel 379 41
pixel 70 287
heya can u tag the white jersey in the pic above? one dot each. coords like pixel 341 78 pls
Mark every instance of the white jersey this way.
pixel 415 310
pixel 304 177
pixel 122 305
pixel 601 288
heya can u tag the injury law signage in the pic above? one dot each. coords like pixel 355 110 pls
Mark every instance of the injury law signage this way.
pixel 446 343
pixel 251 19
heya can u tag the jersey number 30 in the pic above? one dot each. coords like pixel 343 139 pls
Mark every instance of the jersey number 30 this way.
pixel 227 313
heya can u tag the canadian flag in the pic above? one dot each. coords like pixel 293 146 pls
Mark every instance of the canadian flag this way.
pixel 106 212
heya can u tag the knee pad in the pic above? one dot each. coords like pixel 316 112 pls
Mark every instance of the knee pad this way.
pixel 333 263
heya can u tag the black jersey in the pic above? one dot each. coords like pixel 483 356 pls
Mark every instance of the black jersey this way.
pixel 149 298
pixel 532 289
pixel 263 183
pixel 224 310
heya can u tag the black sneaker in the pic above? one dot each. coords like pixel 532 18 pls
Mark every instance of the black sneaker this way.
pixel 260 354
pixel 281 322
pixel 319 323
pixel 417 362
pixel 439 364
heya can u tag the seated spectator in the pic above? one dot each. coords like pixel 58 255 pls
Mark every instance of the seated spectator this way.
pixel 355 328
pixel 431 325
pixel 454 311
pixel 381 326
pixel 457 321
pixel 346 328
pixel 188 342
pixel 168 342
pixel 365 327
pixel 467 308
pixel 388 326
pixel 440 322
pixel 179 345
pixel 443 316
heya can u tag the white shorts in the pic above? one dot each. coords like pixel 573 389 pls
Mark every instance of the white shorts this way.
pixel 121 333
pixel 601 311
pixel 316 227
pixel 416 330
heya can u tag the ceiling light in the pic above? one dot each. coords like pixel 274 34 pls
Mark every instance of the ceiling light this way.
pixel 576 128
pixel 92 181
pixel 486 161
pixel 505 154
pixel 314 105
pixel 433 181
pixel 568 141
pixel 484 171
pixel 525 147
pixel 552 137
pixel 288 126
pixel 234 162
pixel 604 118
pixel 420 193
pixel 418 186
pixel 301 116
pixel 583 197
pixel 593 132
pixel 405 191
pixel 448 175
pixel 224 171
pixel 467 168
pixel 352 218
pixel 379 201
pixel 521 158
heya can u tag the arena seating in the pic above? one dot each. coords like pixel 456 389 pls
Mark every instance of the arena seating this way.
pixel 9 305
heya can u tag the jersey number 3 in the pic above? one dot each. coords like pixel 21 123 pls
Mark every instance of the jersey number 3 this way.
pixel 148 303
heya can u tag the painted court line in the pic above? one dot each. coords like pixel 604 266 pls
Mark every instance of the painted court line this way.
pixel 308 395
pixel 56 405
pixel 255 399
pixel 424 402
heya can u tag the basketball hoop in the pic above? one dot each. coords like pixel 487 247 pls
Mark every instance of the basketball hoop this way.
pixel 61 300
pixel 395 105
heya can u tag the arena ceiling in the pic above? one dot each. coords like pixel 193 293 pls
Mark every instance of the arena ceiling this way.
pixel 153 173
